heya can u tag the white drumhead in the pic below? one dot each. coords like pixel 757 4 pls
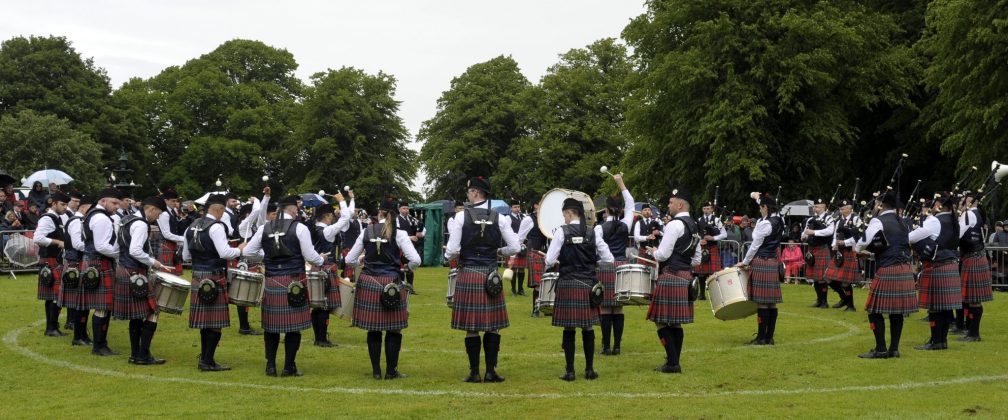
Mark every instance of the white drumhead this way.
pixel 551 209
pixel 171 278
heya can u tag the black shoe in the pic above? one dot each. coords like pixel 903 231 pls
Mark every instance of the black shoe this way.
pixel 492 376
pixel 768 342
pixel 756 342
pixel 104 351
pixel 81 342
pixel 132 360
pixel 150 360
pixel 536 314
pixel 521 293
pixel 605 351
pixel 894 354
pixel 615 351
pixel 817 304
pixel 932 346
pixel 54 333
pixel 590 374
pixel 955 329
pixel 68 326
pixel 838 305
pixel 294 372
pixel 850 309
pixel 212 367
pixel 875 354
pixel 413 292
pixel 394 374
pixel 250 331
pixel 969 338
pixel 325 343
pixel 271 371
pixel 514 293
pixel 569 376
pixel 823 305
pixel 376 375
pixel 667 368
pixel 473 378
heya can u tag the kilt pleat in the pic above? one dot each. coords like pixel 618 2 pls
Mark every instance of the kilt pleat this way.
pixel 214 314
pixel 520 260
pixel 847 274
pixel 976 279
pixel 713 263
pixel 166 252
pixel 50 293
pixel 764 281
pixel 606 273
pixel 67 296
pixel 572 307
pixel 368 312
pixel 472 308
pixel 348 269
pixel 536 266
pixel 892 291
pixel 823 263
pixel 332 287
pixel 670 302
pixel 124 305
pixel 940 287
pixel 99 298
pixel 277 315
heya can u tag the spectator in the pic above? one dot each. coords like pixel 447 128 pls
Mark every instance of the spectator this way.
pixel 22 218
pixel 11 195
pixel 10 222
pixel 747 229
pixel 33 214
pixel 999 237
pixel 5 206
pixel 38 195
pixel 793 261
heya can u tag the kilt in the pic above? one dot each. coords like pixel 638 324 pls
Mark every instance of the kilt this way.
pixel 124 305
pixel 66 296
pixel 51 293
pixel 572 307
pixel 368 313
pixel 764 281
pixel 976 279
pixel 823 263
pixel 940 287
pixel 713 264
pixel 209 315
pixel 348 269
pixel 99 298
pixel 606 273
pixel 519 260
pixel 536 266
pixel 892 291
pixel 847 274
pixel 670 302
pixel 332 289
pixel 166 252
pixel 472 308
pixel 277 315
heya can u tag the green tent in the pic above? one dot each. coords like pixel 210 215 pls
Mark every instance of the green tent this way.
pixel 434 213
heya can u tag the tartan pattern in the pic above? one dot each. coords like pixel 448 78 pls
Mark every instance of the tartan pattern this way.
pixel 892 291
pixel 332 288
pixel 50 292
pixel 209 315
pixel 536 266
pixel 940 287
pixel 519 260
pixel 572 307
pixel 713 265
pixel 764 281
pixel 100 298
pixel 67 296
pixel 348 269
pixel 277 315
pixel 124 305
pixel 976 279
pixel 606 273
pixel 823 263
pixel 472 308
pixel 166 252
pixel 847 274
pixel 233 263
pixel 670 302
pixel 368 313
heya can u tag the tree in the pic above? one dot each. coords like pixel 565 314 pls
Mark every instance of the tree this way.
pixel 751 94
pixel 33 141
pixel 477 120
pixel 349 132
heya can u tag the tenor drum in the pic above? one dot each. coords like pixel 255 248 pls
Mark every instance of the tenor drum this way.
pixel 551 209
pixel 634 284
pixel 452 279
pixel 172 292
pixel 728 293
pixel 317 282
pixel 547 292
pixel 245 288
pixel 346 289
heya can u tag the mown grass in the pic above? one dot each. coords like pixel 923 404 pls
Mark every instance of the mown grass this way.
pixel 812 371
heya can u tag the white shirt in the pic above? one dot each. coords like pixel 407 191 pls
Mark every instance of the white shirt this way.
pixel 44 228
pixel 103 231
pixel 967 220
pixel 671 233
pixel 553 253
pixel 254 246
pixel 524 228
pixel 628 212
pixel 163 222
pixel 402 240
pixel 139 238
pixel 74 230
pixel 827 231
pixel 342 224
pixel 874 226
pixel 640 234
pixel 849 242
pixel 218 234
pixel 929 229
pixel 511 246
pixel 762 230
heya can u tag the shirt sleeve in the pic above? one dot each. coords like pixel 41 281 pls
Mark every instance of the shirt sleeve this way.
pixel 407 248
pixel 763 229
pixel 454 237
pixel 511 244
pixel 672 231
pixel 226 219
pixel 219 236
pixel 873 229
pixel 342 224
pixel 357 249
pixel 186 255
pixel 163 222
pixel 524 228
pixel 722 233
pixel 553 252
pixel 262 211
pixel 76 239
pixel 103 232
pixel 966 222
pixel 44 228
pixel 138 238
pixel 638 231
pixel 628 208
pixel 307 249
pixel 602 249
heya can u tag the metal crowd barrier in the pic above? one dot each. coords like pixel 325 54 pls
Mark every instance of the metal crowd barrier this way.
pixel 998 257
pixel 17 241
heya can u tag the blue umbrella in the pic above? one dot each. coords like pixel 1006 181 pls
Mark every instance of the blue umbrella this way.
pixel 310 200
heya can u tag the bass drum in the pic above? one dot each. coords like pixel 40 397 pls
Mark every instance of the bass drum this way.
pixel 551 209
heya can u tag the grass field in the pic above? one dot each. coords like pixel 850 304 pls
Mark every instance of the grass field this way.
pixel 812 371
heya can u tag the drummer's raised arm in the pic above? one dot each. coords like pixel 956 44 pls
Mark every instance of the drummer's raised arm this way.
pixel 553 253
pixel 628 201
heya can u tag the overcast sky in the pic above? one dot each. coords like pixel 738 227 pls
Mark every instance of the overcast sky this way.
pixel 422 43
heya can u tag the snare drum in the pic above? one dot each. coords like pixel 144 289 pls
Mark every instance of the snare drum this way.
pixel 727 292
pixel 547 292
pixel 172 292
pixel 245 288
pixel 346 289
pixel 317 282
pixel 452 279
pixel 634 284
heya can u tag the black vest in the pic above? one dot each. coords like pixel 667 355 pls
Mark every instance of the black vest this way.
pixel 948 238
pixel 233 220
pixel 201 246
pixel 615 235
pixel 817 223
pixel 53 251
pixel 404 223
pixel 350 236
pixel 480 240
pixel 973 239
pixel 175 223
pixel 707 225
pixel 70 254
pixel 89 245
pixel 684 247
pixel 771 243
pixel 283 254
pixel 320 243
pixel 536 240
pixel 844 229
pixel 577 254
pixel 124 238
pixel 897 238
pixel 380 261
pixel 645 228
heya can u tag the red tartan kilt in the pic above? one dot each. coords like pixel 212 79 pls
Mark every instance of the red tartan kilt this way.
pixel 823 264
pixel 167 255
pixel 606 273
pixel 572 307
pixel 332 289
pixel 368 313
pixel 277 315
pixel 519 260
pixel 940 287
pixel 670 302
pixel 50 293
pixel 892 291
pixel 472 308
pixel 713 264
pixel 124 305
pixel 209 315
pixel 976 279
pixel 99 298
pixel 536 266
pixel 847 274
pixel 764 281
pixel 348 269
pixel 68 297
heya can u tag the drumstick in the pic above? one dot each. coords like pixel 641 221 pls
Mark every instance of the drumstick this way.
pixel 605 170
